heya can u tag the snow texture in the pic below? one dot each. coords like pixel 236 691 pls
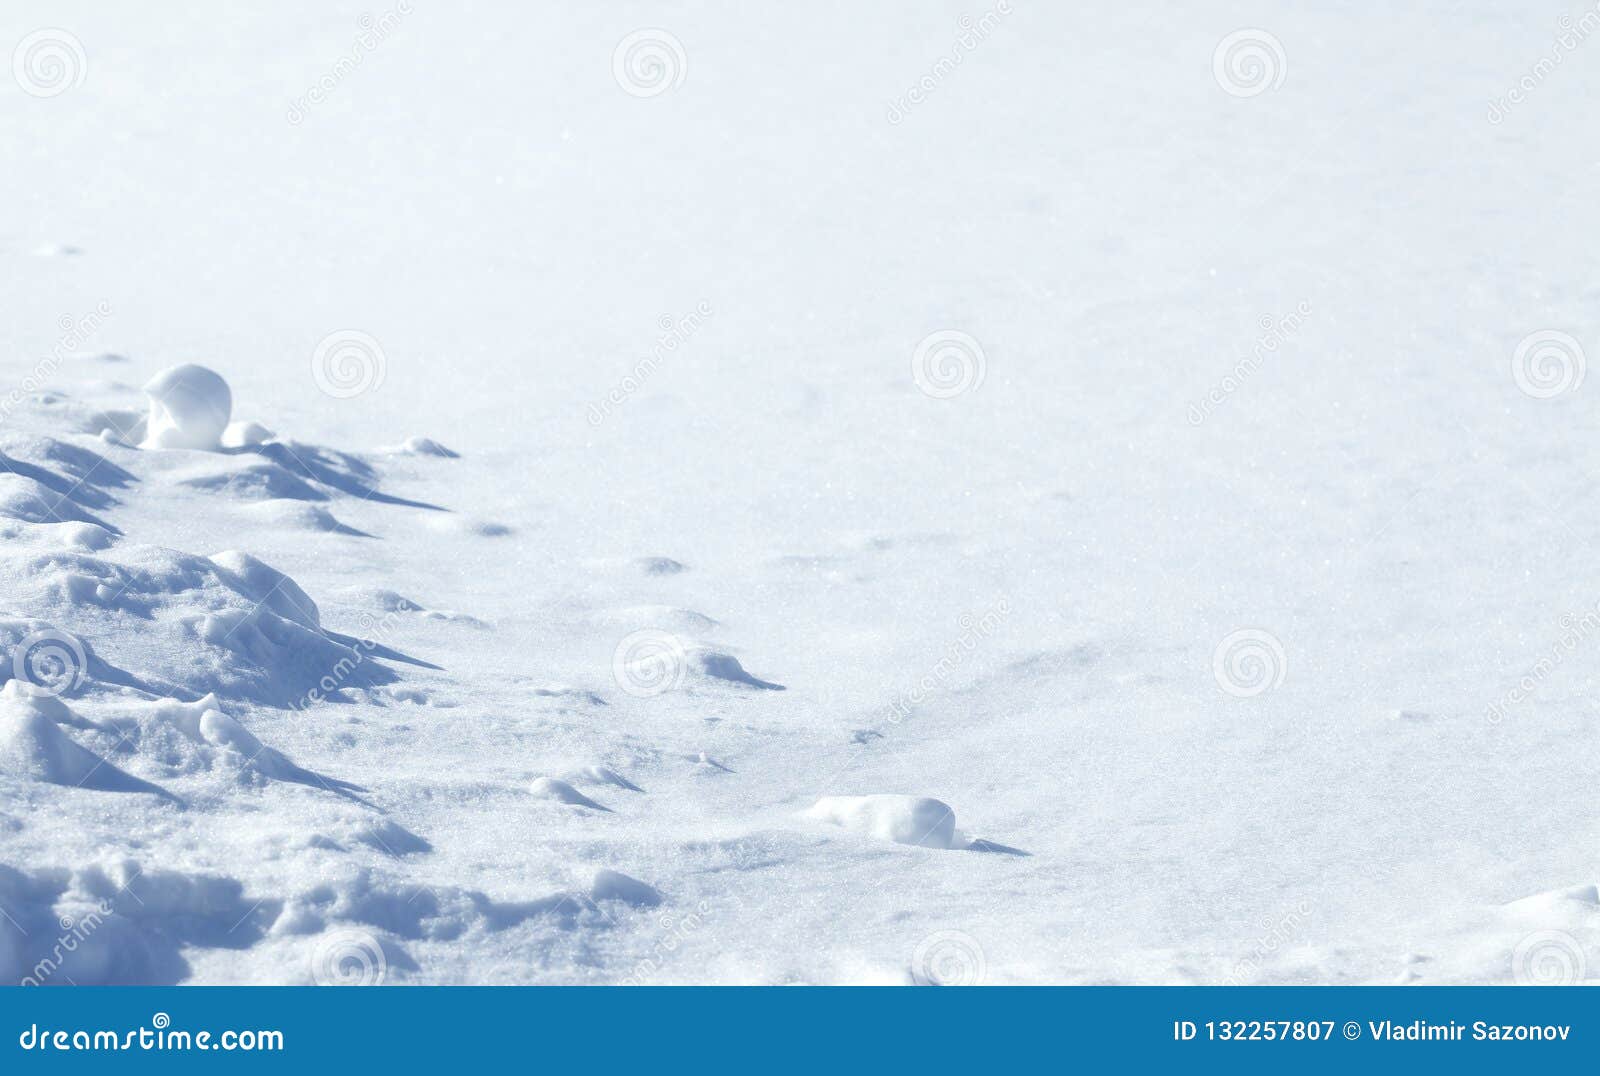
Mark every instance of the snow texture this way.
pixel 1007 494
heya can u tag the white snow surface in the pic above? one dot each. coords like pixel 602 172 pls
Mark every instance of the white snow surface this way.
pixel 1157 504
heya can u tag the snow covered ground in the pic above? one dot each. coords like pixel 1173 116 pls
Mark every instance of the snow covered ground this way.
pixel 838 493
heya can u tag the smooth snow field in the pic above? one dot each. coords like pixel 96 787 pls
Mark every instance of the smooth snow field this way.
pixel 912 493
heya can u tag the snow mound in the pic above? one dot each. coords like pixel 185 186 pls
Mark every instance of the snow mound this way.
pixel 660 566
pixel 190 737
pixel 297 515
pixel 466 525
pixel 549 788
pixel 83 537
pixel 568 693
pixel 179 625
pixel 189 408
pixel 717 665
pixel 31 501
pixel 41 658
pixel 605 775
pixel 256 579
pixel 33 745
pixel 391 601
pixel 614 885
pixel 650 662
pixel 915 820
pixel 390 838
pixel 706 763
pixel 280 657
pixel 70 471
pixel 432 912
pixel 384 599
pixel 250 481
pixel 665 617
pixel 120 924
pixel 422 446
pixel 1583 899
pixel 166 738
pixel 115 426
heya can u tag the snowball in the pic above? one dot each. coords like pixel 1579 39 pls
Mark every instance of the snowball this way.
pixel 246 434
pixel 189 408
pixel 902 819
